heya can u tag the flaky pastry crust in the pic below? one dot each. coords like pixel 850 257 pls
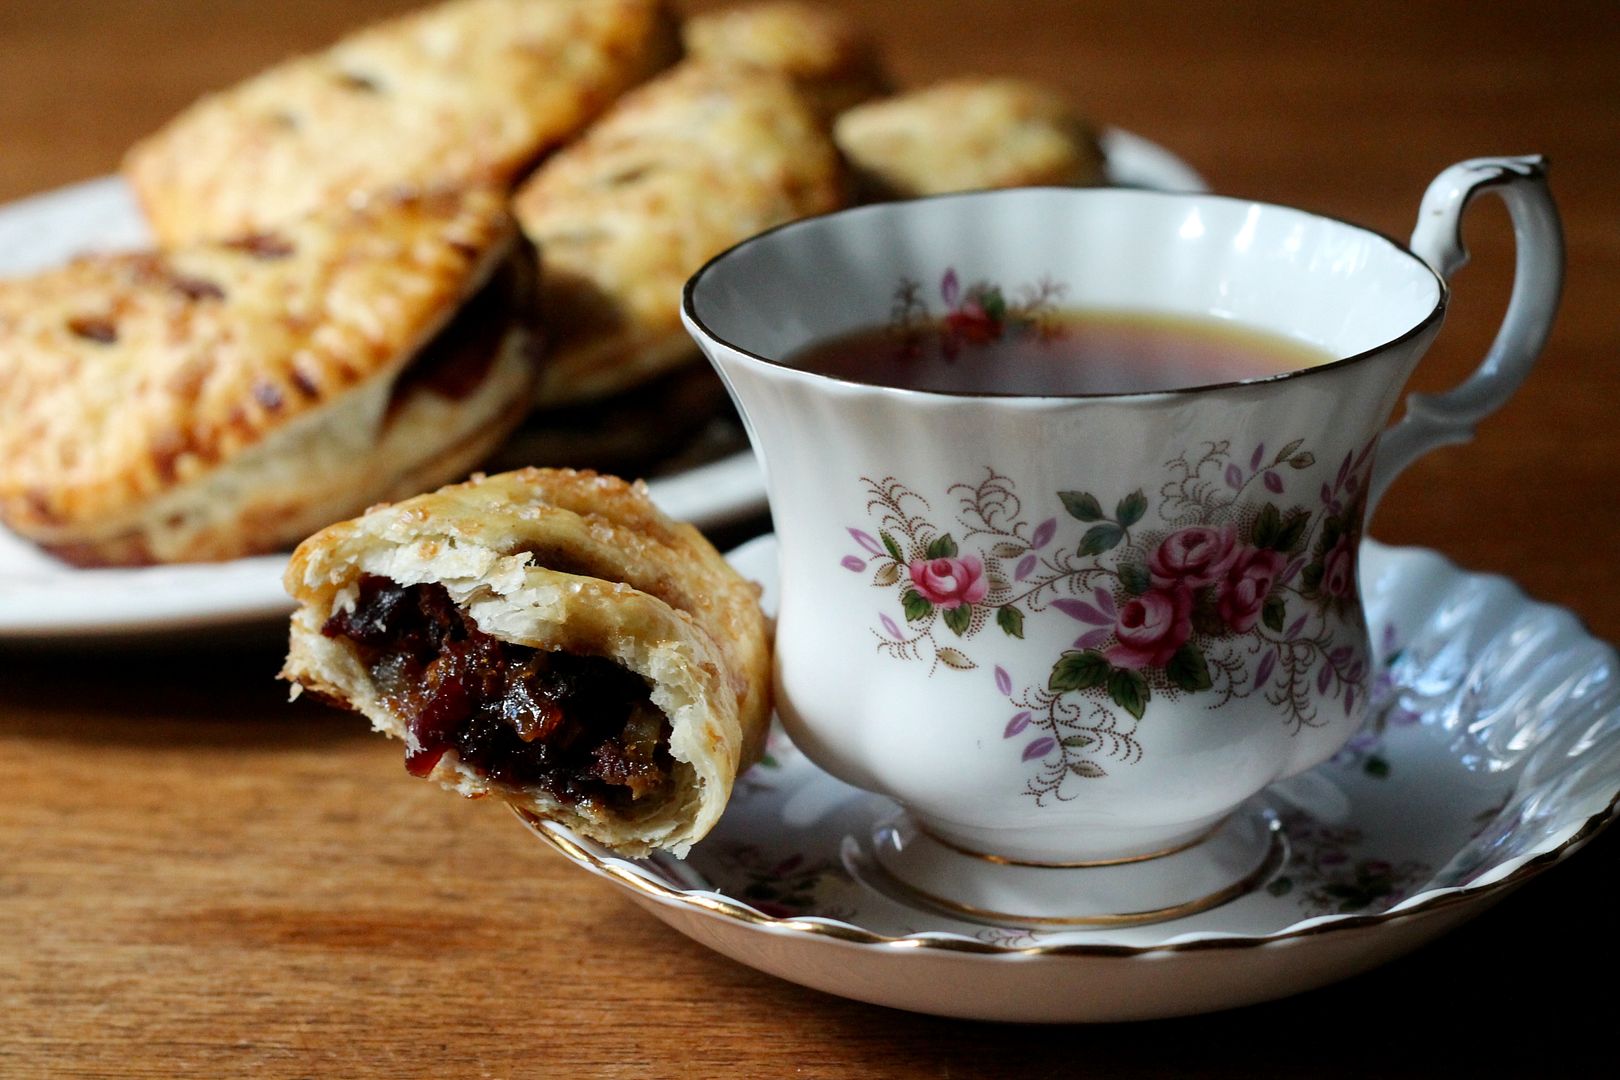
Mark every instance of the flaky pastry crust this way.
pixel 676 172
pixel 967 134
pixel 567 561
pixel 470 91
pixel 225 399
pixel 825 53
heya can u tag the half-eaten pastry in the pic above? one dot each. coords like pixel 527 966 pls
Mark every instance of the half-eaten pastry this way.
pixel 229 399
pixel 549 636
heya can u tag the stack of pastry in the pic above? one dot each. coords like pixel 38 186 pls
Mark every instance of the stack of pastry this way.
pixel 333 316
pixel 345 307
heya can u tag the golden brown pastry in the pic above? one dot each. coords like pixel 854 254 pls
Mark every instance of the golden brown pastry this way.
pixel 967 134
pixel 226 399
pixel 825 54
pixel 676 172
pixel 549 636
pixel 465 91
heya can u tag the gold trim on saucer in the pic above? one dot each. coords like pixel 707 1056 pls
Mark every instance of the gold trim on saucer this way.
pixel 620 871
pixel 1275 849
pixel 1002 860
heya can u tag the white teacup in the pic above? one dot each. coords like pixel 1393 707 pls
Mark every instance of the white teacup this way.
pixel 1082 631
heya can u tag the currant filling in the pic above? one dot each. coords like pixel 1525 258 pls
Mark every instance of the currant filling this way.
pixel 455 362
pixel 580 727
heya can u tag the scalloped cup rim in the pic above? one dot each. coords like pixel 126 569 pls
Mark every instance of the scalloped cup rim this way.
pixel 700 329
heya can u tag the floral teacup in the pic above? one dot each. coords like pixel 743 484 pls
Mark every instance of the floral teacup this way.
pixel 1083 631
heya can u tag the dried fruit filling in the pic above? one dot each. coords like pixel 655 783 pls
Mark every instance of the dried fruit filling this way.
pixel 581 727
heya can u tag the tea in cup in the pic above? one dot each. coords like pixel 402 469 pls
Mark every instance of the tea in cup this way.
pixel 1068 486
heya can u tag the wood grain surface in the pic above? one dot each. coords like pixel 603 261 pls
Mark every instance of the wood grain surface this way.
pixel 198 879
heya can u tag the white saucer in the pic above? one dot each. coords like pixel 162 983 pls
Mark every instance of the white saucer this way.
pixel 1495 754
pixel 42 598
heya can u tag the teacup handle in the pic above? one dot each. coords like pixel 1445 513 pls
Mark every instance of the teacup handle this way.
pixel 1433 420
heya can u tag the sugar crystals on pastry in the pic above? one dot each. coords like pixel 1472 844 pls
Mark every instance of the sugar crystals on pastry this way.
pixel 460 92
pixel 678 170
pixel 229 398
pixel 547 636
pixel 966 134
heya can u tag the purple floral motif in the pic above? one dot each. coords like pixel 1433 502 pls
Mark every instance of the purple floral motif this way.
pixel 976 313
pixel 1329 875
pixel 1365 749
pixel 782 888
pixel 1230 590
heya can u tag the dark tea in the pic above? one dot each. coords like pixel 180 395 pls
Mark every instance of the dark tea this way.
pixel 1064 351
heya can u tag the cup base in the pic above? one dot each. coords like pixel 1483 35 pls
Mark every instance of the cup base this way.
pixel 902 858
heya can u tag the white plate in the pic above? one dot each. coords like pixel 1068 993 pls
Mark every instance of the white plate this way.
pixel 1493 753
pixel 42 598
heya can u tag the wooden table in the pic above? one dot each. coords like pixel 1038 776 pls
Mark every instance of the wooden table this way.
pixel 197 879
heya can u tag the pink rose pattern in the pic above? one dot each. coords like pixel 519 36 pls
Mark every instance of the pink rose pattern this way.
pixel 1242 594
pixel 975 313
pixel 949 583
pixel 1247 586
pixel 1151 628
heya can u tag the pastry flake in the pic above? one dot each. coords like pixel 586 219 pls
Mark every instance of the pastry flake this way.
pixel 227 399
pixel 470 91
pixel 548 636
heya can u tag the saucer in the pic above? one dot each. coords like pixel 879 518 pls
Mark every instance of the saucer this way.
pixel 1493 754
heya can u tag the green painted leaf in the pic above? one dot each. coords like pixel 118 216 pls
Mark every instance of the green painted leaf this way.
pixel 942 547
pixel 1078 671
pixel 1332 529
pixel 915 607
pixel 1188 669
pixel 890 546
pixel 957 618
pixel 1266 527
pixel 1135 577
pixel 1082 505
pixel 1130 509
pixel 1376 766
pixel 1311 577
pixel 1280 886
pixel 1075 742
pixel 1287 451
pixel 1303 461
pixel 1272 614
pixel 887 574
pixel 1101 538
pixel 1007 550
pixel 1129 689
pixel 1088 769
pixel 952 658
pixel 1293 529
pixel 1011 621
pixel 994 304
pixel 1206 615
